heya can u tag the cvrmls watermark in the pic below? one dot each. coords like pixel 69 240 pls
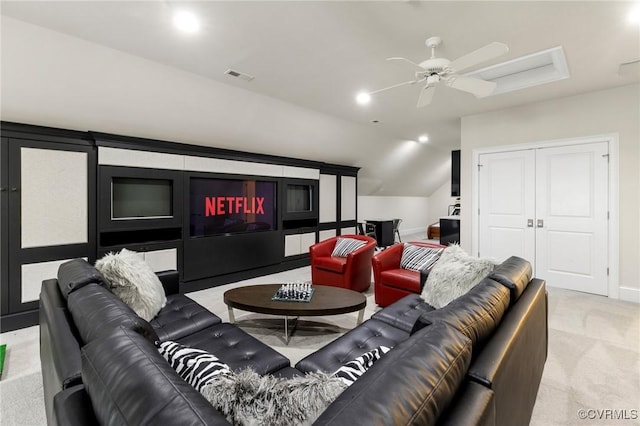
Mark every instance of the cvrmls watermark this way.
pixel 608 414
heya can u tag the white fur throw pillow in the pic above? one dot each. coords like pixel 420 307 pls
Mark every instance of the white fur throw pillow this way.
pixel 454 274
pixel 133 281
pixel 246 398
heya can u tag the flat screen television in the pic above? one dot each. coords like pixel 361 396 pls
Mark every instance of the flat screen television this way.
pixel 141 198
pixel 455 173
pixel 230 206
pixel 299 198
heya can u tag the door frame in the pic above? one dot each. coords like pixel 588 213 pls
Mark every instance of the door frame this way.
pixel 613 228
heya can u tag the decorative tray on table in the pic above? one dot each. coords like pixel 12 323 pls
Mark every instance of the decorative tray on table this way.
pixel 294 292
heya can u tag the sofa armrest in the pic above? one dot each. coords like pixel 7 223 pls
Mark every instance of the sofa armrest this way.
pixel 512 362
pixel 170 281
pixel 474 405
pixel 72 407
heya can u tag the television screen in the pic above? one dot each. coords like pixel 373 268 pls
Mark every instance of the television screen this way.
pixel 298 198
pixel 227 206
pixel 140 198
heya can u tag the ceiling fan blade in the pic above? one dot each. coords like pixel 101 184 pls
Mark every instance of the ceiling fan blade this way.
pixel 630 69
pixel 480 88
pixel 490 51
pixel 426 94
pixel 405 60
pixel 404 83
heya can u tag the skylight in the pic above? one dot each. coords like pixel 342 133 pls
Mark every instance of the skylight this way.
pixel 527 71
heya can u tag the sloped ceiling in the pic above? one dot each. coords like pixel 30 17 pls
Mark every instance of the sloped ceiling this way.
pixel 139 76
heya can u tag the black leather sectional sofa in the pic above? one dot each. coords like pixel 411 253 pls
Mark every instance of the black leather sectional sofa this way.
pixel 476 361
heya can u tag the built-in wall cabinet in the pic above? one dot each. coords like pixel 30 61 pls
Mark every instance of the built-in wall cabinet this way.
pixel 48 214
pixel 215 215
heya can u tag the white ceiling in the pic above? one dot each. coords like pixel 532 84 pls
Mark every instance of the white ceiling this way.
pixel 318 55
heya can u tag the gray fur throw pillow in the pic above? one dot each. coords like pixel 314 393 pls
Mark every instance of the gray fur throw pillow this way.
pixel 454 274
pixel 133 281
pixel 248 399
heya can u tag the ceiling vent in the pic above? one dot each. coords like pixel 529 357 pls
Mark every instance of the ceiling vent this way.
pixel 527 71
pixel 238 74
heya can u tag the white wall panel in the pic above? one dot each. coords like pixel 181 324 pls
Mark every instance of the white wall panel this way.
pixel 291 245
pixel 54 206
pixel 328 198
pixel 326 234
pixel 348 198
pixel 300 172
pixel 162 260
pixel 307 240
pixel 32 275
pixel 348 231
pixel 217 165
pixel 133 158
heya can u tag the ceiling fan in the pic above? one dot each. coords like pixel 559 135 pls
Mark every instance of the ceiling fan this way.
pixel 436 70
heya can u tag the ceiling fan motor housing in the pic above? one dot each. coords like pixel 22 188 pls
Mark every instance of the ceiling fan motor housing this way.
pixel 435 64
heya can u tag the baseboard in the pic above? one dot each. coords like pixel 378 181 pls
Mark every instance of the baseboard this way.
pixel 629 294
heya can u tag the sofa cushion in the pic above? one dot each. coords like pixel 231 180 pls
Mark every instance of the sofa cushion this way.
pixel 195 366
pixel 419 258
pixel 75 274
pixel 404 279
pixel 97 312
pixel 181 316
pixel 475 314
pixel 132 280
pixel 128 382
pixel 369 335
pixel 333 264
pixel 404 313
pixel 236 348
pixel 514 273
pixel 354 369
pixel 453 275
pixel 344 246
pixel 413 384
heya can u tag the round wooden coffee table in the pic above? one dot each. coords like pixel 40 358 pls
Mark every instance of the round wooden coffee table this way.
pixel 326 300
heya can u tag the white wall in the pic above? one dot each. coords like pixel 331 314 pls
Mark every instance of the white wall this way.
pixel 412 211
pixel 439 202
pixel 602 112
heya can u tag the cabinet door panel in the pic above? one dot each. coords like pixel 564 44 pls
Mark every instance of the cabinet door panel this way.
pixel 53 197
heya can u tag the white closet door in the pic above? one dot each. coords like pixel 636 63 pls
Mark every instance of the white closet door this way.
pixel 571 217
pixel 506 202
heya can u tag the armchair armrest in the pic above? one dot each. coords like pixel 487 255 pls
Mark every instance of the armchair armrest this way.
pixel 388 259
pixel 170 281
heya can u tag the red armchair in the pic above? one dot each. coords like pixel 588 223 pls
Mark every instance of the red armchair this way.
pixel 352 272
pixel 392 283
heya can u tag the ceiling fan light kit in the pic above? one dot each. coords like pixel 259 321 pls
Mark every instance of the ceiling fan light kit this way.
pixel 435 70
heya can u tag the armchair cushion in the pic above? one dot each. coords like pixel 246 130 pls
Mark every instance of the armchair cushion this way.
pixel 404 279
pixel 344 246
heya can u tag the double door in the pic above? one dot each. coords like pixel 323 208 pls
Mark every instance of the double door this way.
pixel 549 206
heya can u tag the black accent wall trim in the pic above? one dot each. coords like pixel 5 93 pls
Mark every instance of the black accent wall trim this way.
pixel 19 320
pixel 4 225
pixel 203 284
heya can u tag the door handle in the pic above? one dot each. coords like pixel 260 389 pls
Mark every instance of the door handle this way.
pixel 529 223
pixel 540 223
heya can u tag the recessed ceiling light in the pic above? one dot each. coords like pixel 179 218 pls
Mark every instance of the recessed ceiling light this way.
pixel 186 21
pixel 634 15
pixel 423 139
pixel 363 98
